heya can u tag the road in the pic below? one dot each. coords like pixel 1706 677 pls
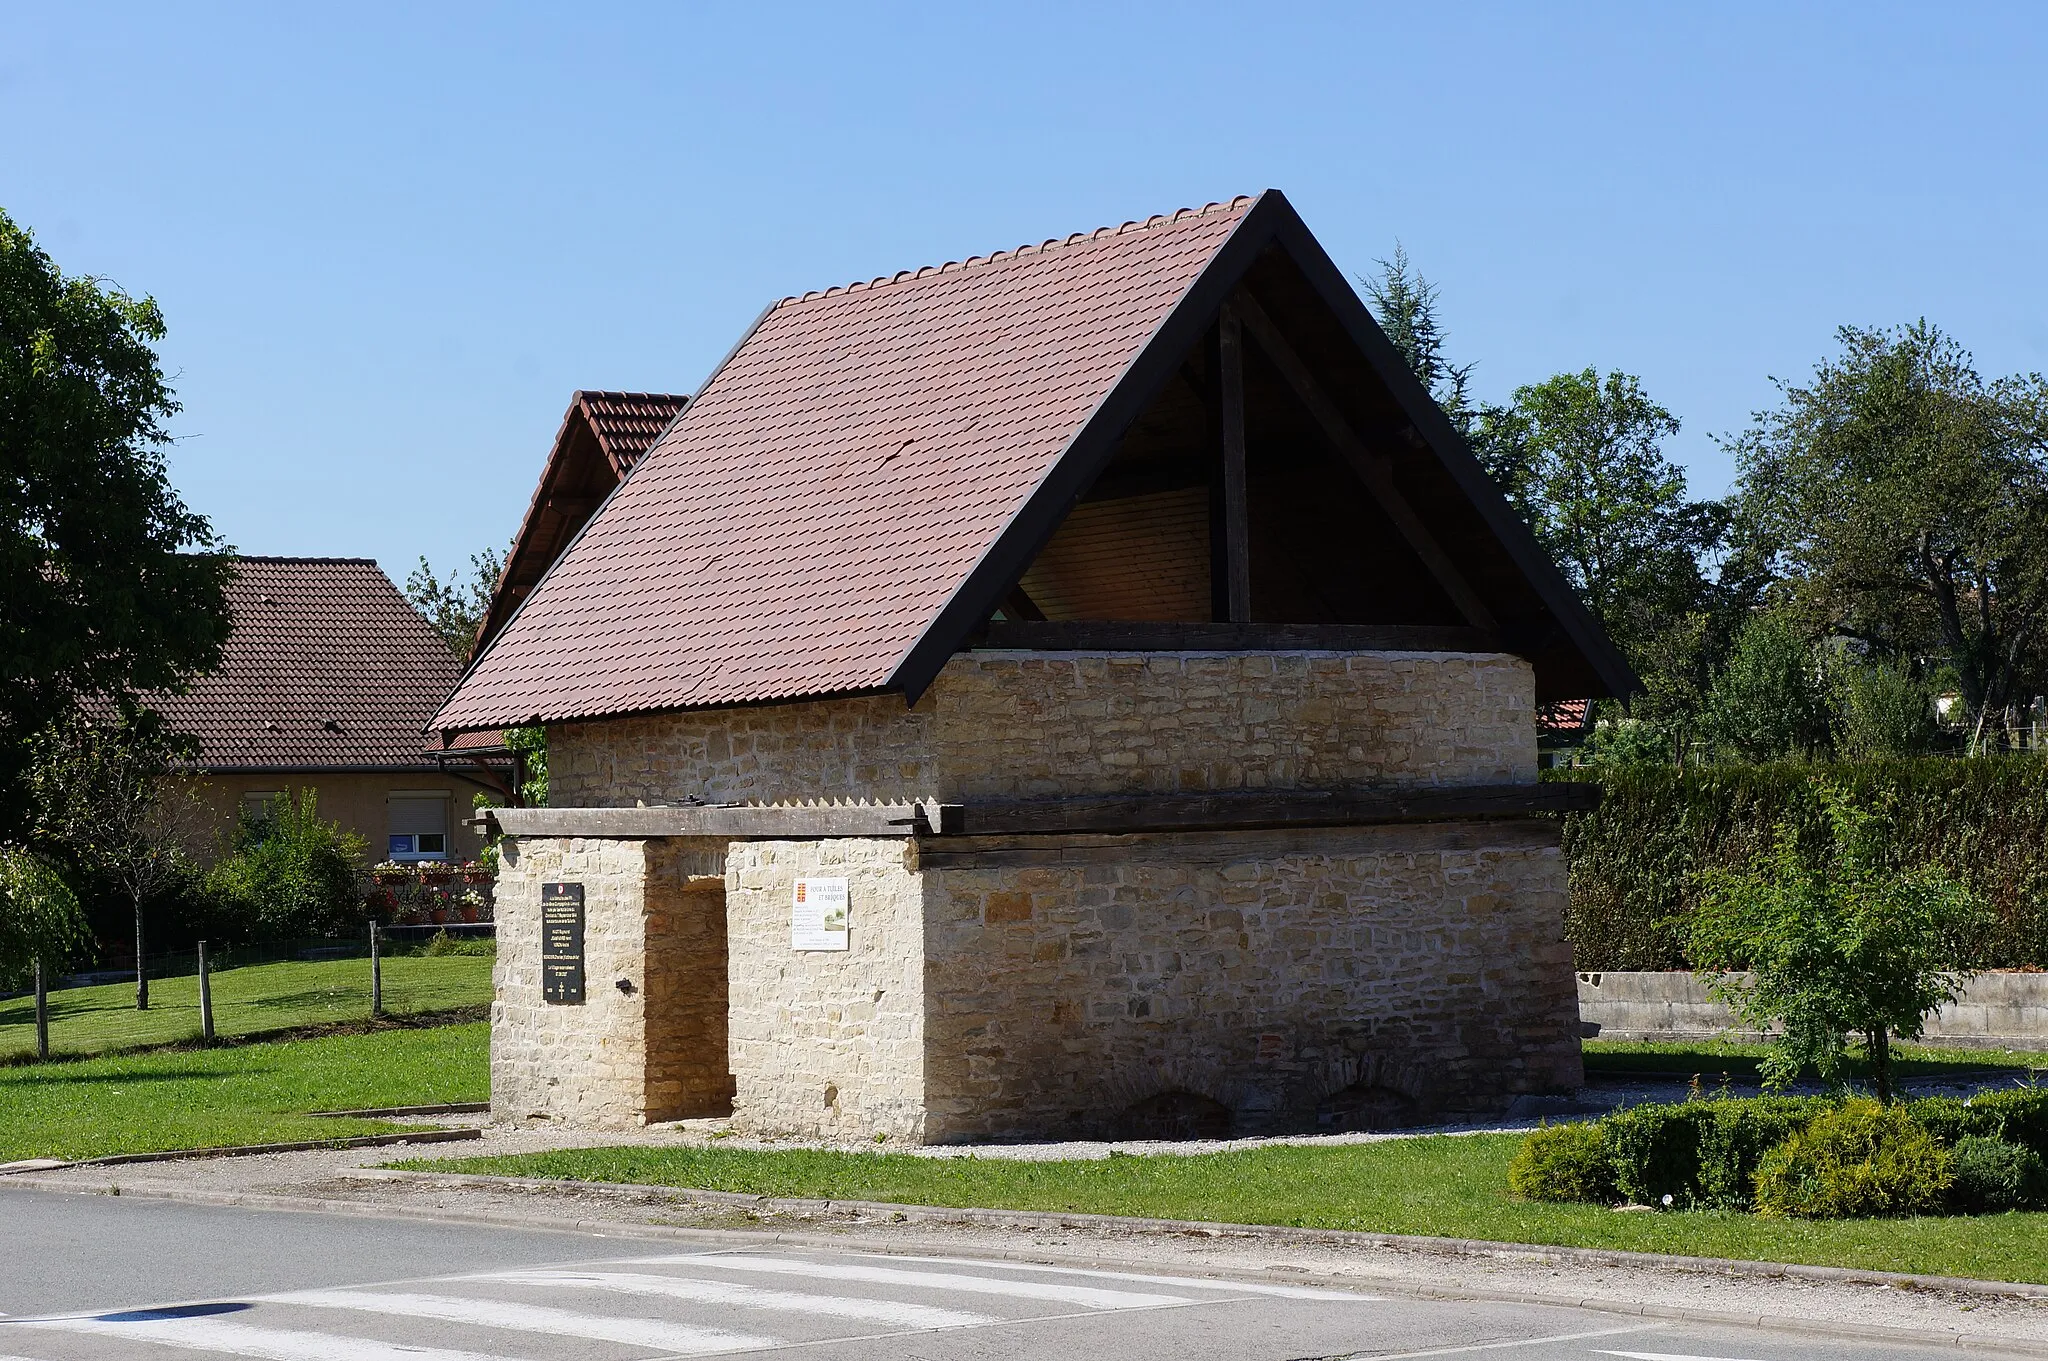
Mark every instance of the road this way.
pixel 141 1280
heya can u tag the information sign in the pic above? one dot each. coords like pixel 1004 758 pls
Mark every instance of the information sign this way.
pixel 561 944
pixel 817 915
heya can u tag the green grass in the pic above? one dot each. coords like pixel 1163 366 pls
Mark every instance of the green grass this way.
pixel 1445 1186
pixel 1711 1058
pixel 255 1000
pixel 247 1094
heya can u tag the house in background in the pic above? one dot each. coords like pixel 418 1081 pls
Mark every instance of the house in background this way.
pixel 326 683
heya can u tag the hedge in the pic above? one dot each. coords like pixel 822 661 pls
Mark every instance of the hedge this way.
pixel 1637 860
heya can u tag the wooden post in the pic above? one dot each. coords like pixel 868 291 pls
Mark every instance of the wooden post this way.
pixel 205 997
pixel 1230 409
pixel 376 970
pixel 42 1013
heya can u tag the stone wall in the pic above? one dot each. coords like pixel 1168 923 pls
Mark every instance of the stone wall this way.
pixel 1028 724
pixel 653 916
pixel 1995 1011
pixel 827 1043
pixel 1332 979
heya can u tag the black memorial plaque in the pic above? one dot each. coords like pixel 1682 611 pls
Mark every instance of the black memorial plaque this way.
pixel 561 943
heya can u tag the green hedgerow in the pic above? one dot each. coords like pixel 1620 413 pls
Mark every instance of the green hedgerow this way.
pixel 1992 1175
pixel 1862 1159
pixel 1655 1152
pixel 1563 1162
pixel 1737 1136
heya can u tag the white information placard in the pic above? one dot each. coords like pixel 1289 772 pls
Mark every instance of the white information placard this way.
pixel 817 915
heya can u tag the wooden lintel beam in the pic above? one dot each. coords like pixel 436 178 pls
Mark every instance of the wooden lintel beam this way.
pixel 1230 420
pixel 1240 810
pixel 1374 469
pixel 1111 636
pixel 736 821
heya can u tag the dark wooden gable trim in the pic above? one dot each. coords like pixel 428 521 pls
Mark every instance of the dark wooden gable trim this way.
pixel 1272 221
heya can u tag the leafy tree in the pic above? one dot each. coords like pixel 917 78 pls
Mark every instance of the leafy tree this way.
pixel 109 585
pixel 1404 304
pixel 1771 700
pixel 107 806
pixel 1837 941
pixel 292 872
pixel 456 607
pixel 40 921
pixel 1907 501
pixel 530 748
pixel 1884 713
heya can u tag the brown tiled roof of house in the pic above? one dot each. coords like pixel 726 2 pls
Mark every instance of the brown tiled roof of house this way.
pixel 824 495
pixel 872 468
pixel 603 434
pixel 328 668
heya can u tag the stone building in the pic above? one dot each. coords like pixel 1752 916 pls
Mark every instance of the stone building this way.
pixel 1086 689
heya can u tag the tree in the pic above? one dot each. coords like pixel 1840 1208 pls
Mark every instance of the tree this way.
pixel 40 922
pixel 1836 941
pixel 109 586
pixel 456 607
pixel 1404 304
pixel 292 872
pixel 1771 699
pixel 1884 712
pixel 1907 501
pixel 106 805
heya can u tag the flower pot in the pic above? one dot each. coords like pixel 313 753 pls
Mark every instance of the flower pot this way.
pixel 439 916
pixel 391 876
pixel 436 877
pixel 477 876
pixel 468 913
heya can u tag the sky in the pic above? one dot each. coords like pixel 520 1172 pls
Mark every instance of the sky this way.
pixel 390 241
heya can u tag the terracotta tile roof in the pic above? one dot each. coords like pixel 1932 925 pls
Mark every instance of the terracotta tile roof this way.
pixel 327 668
pixel 825 495
pixel 603 434
pixel 1567 716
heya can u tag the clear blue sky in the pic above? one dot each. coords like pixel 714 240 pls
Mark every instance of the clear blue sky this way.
pixel 390 241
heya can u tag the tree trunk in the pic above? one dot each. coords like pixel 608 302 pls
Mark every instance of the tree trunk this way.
pixel 1879 1044
pixel 141 971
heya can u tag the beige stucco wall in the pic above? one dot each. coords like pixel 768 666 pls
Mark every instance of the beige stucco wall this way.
pixel 356 801
pixel 654 917
pixel 1029 724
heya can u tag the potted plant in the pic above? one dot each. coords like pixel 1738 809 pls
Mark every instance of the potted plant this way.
pixel 436 872
pixel 391 872
pixel 477 872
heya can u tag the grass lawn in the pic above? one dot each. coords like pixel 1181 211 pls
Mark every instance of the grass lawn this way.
pixel 1711 1058
pixel 247 1001
pixel 247 1094
pixel 1447 1186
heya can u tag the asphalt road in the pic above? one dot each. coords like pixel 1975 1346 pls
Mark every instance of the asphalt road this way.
pixel 139 1280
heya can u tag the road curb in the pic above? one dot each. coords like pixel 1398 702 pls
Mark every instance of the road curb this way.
pixel 424 1136
pixel 543 1221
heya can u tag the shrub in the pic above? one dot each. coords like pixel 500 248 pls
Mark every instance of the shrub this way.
pixel 1861 1159
pixel 1563 1162
pixel 2017 1116
pixel 291 874
pixel 1654 1151
pixel 1736 1137
pixel 1992 1175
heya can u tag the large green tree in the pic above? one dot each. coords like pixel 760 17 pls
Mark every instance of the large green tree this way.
pixel 456 607
pixel 1906 498
pixel 1405 305
pixel 110 587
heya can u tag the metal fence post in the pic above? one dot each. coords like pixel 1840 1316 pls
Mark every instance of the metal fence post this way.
pixel 376 971
pixel 205 997
pixel 42 1013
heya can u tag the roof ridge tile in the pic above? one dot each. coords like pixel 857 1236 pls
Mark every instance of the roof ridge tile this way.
pixel 1028 248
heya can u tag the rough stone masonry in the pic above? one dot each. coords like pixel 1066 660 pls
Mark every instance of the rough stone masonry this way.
pixel 1197 982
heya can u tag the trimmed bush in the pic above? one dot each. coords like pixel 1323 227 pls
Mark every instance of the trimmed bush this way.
pixel 1992 1175
pixel 1655 1151
pixel 1860 1160
pixel 292 873
pixel 1638 861
pixel 1563 1162
pixel 1736 1137
pixel 2017 1116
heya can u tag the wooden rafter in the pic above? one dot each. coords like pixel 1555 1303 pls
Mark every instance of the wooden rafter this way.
pixel 1230 420
pixel 1373 468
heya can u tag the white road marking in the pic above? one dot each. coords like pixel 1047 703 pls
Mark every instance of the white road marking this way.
pixel 891 1312
pixel 210 1333
pixel 677 1339
pixel 1497 1346
pixel 927 1280
pixel 1285 1292
pixel 1668 1356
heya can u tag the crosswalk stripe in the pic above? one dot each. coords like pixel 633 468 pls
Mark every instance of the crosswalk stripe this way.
pixel 891 1312
pixel 221 1338
pixel 929 1280
pixel 678 1339
pixel 1285 1292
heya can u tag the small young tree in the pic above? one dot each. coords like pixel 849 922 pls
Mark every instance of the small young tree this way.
pixel 1770 701
pixel 105 804
pixel 292 872
pixel 40 922
pixel 456 607
pixel 1835 941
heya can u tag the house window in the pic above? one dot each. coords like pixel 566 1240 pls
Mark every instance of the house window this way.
pixel 258 804
pixel 419 824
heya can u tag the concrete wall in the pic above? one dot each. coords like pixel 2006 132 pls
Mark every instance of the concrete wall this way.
pixel 653 916
pixel 356 801
pixel 1288 976
pixel 1018 724
pixel 1996 1011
